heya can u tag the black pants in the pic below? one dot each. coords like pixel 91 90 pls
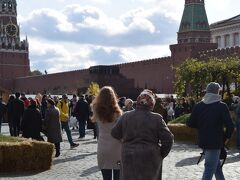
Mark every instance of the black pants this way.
pixel 107 174
pixel 10 124
pixel 16 126
pixel 57 147
pixel 81 128
pixel 95 133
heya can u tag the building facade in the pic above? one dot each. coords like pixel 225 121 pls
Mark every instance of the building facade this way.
pixel 226 33
pixel 14 58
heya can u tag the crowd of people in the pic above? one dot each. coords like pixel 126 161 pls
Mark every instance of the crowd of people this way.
pixel 128 132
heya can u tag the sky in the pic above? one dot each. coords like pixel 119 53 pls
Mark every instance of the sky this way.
pixel 67 35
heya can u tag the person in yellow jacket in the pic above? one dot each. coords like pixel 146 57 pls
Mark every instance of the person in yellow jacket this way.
pixel 64 117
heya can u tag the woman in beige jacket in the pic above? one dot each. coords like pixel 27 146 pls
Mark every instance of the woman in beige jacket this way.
pixel 106 112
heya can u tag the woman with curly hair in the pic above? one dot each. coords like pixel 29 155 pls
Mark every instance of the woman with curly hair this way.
pixel 106 111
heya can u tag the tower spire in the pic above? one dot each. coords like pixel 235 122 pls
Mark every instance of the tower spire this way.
pixel 194 27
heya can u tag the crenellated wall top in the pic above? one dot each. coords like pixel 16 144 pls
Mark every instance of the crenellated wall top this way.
pixel 233 51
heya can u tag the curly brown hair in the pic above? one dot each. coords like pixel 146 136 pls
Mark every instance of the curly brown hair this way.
pixel 105 105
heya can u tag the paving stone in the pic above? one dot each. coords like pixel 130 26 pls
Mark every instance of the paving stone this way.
pixel 81 163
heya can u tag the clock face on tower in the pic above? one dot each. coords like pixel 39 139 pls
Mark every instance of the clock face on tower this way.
pixel 11 29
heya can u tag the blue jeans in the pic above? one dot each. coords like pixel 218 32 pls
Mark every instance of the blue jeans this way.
pixel 212 165
pixel 238 133
pixel 65 126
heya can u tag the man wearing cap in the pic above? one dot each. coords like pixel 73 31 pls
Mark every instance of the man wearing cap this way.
pixel 64 117
pixel 209 117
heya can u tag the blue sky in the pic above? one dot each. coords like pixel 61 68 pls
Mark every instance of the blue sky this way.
pixel 75 34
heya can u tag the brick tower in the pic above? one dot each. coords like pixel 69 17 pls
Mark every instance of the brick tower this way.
pixel 194 33
pixel 14 56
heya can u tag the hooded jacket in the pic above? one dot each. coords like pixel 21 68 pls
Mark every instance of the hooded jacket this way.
pixel 210 117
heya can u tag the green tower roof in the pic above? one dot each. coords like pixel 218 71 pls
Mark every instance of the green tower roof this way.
pixel 194 17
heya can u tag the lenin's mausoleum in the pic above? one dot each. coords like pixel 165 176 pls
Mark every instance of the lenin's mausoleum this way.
pixel 193 41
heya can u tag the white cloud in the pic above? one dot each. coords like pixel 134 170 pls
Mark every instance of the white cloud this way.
pixel 55 57
pixel 90 25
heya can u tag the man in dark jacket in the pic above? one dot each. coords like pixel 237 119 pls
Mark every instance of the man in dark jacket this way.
pixel 17 112
pixel 209 117
pixel 81 112
pixel 3 110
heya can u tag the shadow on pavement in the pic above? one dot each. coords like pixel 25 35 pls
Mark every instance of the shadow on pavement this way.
pixel 19 174
pixel 89 171
pixel 90 142
pixel 188 161
pixel 232 159
pixel 74 158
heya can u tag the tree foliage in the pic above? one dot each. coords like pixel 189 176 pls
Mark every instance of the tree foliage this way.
pixel 36 73
pixel 93 89
pixel 193 75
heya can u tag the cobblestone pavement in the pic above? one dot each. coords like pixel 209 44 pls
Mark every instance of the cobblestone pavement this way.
pixel 81 163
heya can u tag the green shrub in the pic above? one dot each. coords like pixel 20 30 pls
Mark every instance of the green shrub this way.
pixel 180 120
pixel 10 139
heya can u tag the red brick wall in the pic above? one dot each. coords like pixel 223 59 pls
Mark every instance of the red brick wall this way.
pixel 53 83
pixel 13 64
pixel 154 74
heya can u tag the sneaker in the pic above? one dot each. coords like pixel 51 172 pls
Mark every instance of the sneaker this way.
pixel 74 145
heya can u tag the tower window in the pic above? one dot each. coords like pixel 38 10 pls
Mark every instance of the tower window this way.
pixel 4 5
pixel 9 5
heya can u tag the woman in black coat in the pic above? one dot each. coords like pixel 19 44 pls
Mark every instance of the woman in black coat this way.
pixel 32 122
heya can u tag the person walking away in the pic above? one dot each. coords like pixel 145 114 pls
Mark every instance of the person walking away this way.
pixel 160 109
pixel 25 100
pixel 128 105
pixel 10 114
pixel 3 110
pixel 56 100
pixel 146 140
pixel 17 113
pixel 64 118
pixel 106 111
pixel 53 125
pixel 209 117
pixel 90 124
pixel 82 113
pixel 73 103
pixel 43 105
pixel 32 122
